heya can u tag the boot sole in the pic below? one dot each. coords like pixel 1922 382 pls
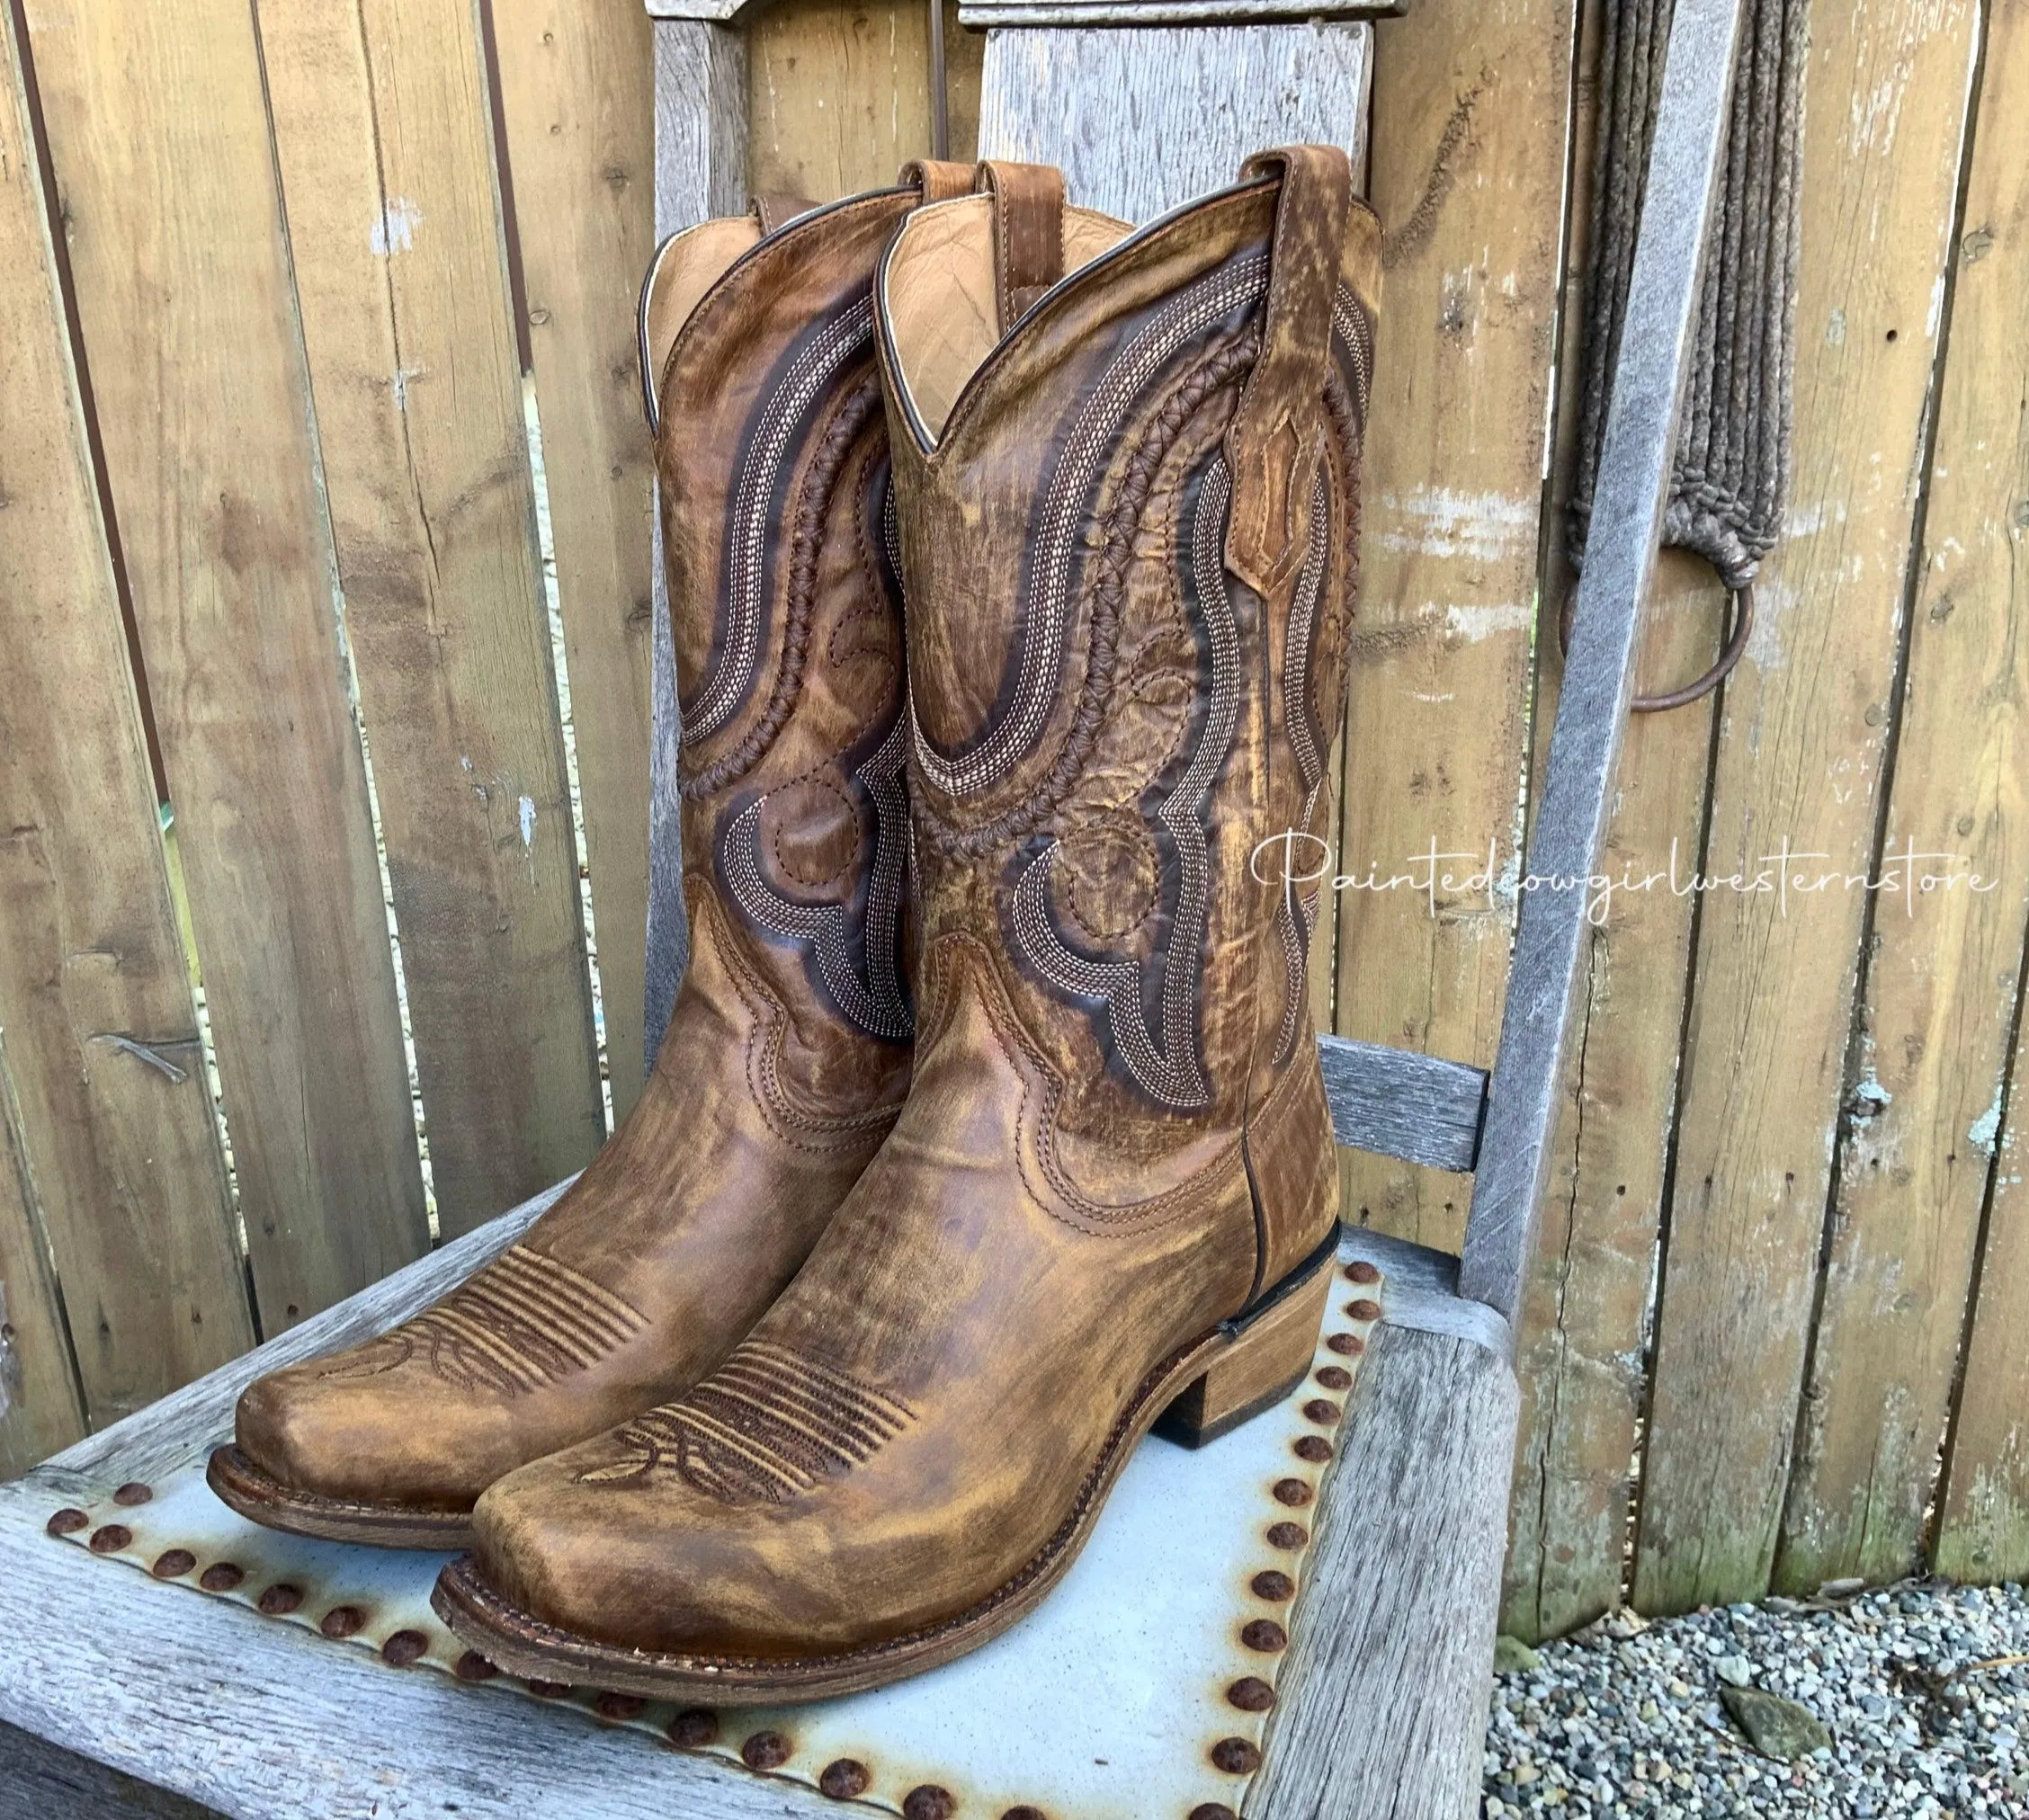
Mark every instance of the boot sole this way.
pixel 244 1487
pixel 520 1643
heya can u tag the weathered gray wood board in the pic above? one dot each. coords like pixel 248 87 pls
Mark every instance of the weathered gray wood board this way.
pixel 1142 118
pixel 1584 750
pixel 38 1782
pixel 700 171
pixel 1384 1695
pixel 1420 1108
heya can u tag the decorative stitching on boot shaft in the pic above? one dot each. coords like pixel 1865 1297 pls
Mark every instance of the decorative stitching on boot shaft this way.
pixel 1173 1073
pixel 784 412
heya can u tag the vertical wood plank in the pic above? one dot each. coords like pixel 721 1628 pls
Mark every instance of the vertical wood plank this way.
pixel 1471 111
pixel 1799 750
pixel 111 1159
pixel 1582 1363
pixel 1983 1503
pixel 838 94
pixel 1943 964
pixel 577 99
pixel 1941 980
pixel 190 333
pixel 701 170
pixel 1582 1358
pixel 383 141
pixel 965 56
pixel 1093 101
pixel 42 1404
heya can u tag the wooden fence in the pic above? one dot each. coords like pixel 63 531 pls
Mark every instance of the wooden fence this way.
pixel 285 290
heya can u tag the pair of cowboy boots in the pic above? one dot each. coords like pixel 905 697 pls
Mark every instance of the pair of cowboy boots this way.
pixel 988 1129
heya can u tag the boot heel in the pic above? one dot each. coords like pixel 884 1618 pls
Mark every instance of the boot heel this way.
pixel 1267 1357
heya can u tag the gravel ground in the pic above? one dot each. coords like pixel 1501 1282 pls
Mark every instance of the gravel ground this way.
pixel 1923 1688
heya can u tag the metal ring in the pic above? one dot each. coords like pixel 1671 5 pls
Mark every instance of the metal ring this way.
pixel 1742 599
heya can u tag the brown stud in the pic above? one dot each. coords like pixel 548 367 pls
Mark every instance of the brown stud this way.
pixel 928 1801
pixel 619 1706
pixel 1293 1492
pixel 131 1493
pixel 109 1539
pixel 1336 1378
pixel 1213 1810
pixel 172 1564
pixel 342 1621
pixel 1361 1271
pixel 549 1690
pixel 844 1778
pixel 1363 1310
pixel 1313 1448
pixel 1025 1813
pixel 1287 1535
pixel 1264 1635
pixel 694 1729
pixel 1346 1345
pixel 68 1521
pixel 279 1600
pixel 473 1666
pixel 1270 1584
pixel 221 1577
pixel 404 1647
pixel 1235 1756
pixel 1251 1694
pixel 1319 1409
pixel 765 1751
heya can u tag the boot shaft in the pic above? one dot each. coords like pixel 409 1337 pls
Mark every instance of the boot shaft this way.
pixel 785 615
pixel 1128 525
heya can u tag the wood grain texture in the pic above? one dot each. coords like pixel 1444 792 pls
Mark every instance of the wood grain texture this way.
pixel 384 144
pixel 106 1157
pixel 1943 964
pixel 1983 1503
pixel 1799 757
pixel 1382 1714
pixel 838 95
pixel 1140 121
pixel 982 13
pixel 1982 485
pixel 965 58
pixel 1586 1316
pixel 700 171
pixel 577 100
pixel 41 1404
pixel 1397 1102
pixel 40 1782
pixel 1471 115
pixel 190 332
pixel 272 1722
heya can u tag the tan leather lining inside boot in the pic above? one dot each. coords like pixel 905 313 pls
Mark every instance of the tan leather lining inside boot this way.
pixel 941 308
pixel 689 265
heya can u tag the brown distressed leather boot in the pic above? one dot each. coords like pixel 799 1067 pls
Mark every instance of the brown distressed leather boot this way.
pixel 1128 525
pixel 788 1054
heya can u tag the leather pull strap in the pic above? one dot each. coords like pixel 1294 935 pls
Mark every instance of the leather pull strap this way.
pixel 941 180
pixel 775 207
pixel 1028 232
pixel 1276 438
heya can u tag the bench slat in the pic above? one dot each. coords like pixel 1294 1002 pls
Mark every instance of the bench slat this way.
pixel 1421 1108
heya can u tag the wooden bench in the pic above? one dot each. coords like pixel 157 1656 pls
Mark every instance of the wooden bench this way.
pixel 119 1696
